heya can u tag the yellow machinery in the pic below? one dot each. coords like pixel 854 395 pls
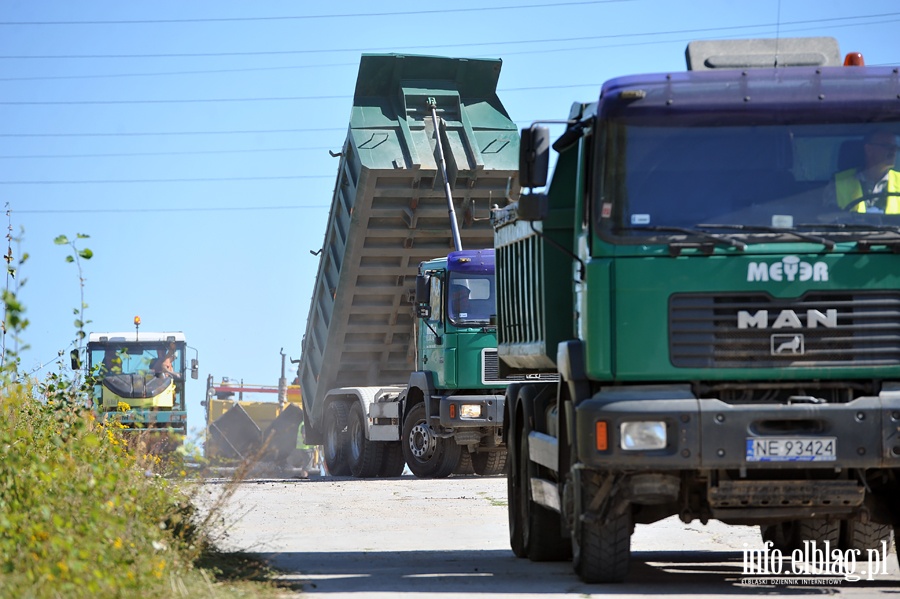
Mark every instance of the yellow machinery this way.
pixel 139 381
pixel 241 427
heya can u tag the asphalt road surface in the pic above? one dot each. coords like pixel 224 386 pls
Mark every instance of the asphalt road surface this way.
pixel 407 537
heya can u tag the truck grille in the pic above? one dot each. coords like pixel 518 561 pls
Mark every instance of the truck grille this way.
pixel 822 329
pixel 490 372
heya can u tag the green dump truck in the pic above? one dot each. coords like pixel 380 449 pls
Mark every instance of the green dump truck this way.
pixel 395 368
pixel 719 293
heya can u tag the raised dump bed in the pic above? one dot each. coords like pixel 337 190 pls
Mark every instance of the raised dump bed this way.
pixel 389 213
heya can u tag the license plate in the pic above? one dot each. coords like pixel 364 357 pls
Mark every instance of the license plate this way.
pixel 791 449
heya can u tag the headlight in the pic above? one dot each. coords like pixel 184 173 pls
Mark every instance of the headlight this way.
pixel 468 410
pixel 642 435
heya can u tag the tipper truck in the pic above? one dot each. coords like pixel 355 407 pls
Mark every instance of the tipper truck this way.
pixel 399 359
pixel 717 284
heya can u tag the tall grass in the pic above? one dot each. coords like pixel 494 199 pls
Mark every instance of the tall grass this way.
pixel 84 512
pixel 81 514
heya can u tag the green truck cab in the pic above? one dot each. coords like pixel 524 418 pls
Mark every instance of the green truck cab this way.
pixel 721 304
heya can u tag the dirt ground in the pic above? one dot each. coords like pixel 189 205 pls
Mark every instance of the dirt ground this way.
pixel 381 538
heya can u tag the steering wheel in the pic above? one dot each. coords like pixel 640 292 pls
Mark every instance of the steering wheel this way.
pixel 851 207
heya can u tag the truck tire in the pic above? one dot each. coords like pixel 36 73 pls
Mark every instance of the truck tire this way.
pixel 783 535
pixel 535 531
pixel 601 548
pixel 540 528
pixel 337 440
pixel 789 536
pixel 464 466
pixel 856 535
pixel 489 463
pixel 426 455
pixel 392 463
pixel 818 530
pixel 365 456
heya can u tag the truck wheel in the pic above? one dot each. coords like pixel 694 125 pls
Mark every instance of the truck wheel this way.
pixel 427 455
pixel 897 543
pixel 818 530
pixel 601 547
pixel 535 531
pixel 540 527
pixel 365 455
pixel 464 466
pixel 783 535
pixel 856 535
pixel 392 463
pixel 337 441
pixel 489 463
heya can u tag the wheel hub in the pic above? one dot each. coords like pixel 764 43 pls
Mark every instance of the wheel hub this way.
pixel 422 442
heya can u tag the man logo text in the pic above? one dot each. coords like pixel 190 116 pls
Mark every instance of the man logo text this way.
pixel 791 268
pixel 787 319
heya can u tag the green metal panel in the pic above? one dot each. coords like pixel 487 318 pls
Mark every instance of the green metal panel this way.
pixel 644 287
pixel 535 277
pixel 469 371
pixel 389 211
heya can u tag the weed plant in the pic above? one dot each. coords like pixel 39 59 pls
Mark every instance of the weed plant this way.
pixel 84 512
pixel 81 514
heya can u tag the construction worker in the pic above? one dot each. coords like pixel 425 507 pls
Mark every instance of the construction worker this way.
pixel 874 187
pixel 459 301
pixel 164 364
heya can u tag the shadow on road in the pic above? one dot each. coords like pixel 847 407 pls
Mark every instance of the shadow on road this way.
pixel 460 573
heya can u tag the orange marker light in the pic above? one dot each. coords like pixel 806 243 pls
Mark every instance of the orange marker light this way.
pixel 602 440
pixel 452 410
pixel 854 59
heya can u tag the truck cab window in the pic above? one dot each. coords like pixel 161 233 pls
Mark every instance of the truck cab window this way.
pixel 435 299
pixel 470 299
pixel 755 175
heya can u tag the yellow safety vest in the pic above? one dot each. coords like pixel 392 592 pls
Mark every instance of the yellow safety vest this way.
pixel 848 189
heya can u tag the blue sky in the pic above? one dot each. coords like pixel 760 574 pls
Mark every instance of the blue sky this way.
pixel 190 140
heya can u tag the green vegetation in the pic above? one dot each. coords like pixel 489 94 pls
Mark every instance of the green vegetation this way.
pixel 84 512
pixel 79 512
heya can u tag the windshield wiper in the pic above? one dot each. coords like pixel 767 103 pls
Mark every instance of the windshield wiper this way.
pixel 727 241
pixel 829 244
pixel 851 227
pixel 869 230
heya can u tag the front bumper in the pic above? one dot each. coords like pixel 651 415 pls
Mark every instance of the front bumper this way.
pixel 712 434
pixel 143 419
pixel 491 411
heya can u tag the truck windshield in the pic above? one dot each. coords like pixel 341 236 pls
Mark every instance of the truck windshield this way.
pixel 470 299
pixel 764 178
pixel 117 358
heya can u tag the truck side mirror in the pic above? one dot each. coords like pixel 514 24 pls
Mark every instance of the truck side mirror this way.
pixel 423 296
pixel 534 156
pixel 195 369
pixel 533 206
pixel 75 358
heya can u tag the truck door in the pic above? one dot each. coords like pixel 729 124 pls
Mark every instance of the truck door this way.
pixel 431 336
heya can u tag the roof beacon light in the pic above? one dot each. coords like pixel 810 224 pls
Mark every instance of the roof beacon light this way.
pixel 137 325
pixel 854 59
